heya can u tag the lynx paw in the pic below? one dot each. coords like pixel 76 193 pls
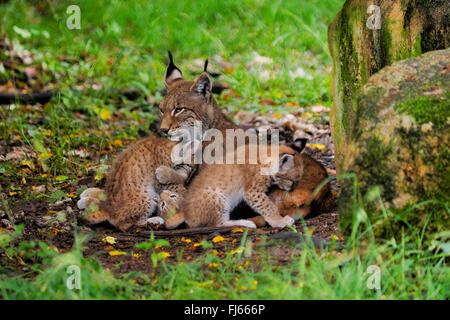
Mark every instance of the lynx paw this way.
pixel 283 222
pixel 155 220
pixel 90 196
pixel 84 203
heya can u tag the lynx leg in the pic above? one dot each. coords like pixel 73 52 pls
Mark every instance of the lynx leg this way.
pixel 175 221
pixel 97 217
pixel 258 221
pixel 261 203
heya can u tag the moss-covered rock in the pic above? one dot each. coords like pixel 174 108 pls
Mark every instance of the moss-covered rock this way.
pixel 400 141
pixel 408 28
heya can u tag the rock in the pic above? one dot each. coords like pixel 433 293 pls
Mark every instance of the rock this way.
pixel 407 28
pixel 400 142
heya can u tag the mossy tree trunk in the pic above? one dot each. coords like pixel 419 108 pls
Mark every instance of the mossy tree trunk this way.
pixel 407 28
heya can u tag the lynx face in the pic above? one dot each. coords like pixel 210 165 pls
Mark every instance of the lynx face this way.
pixel 290 166
pixel 169 203
pixel 186 102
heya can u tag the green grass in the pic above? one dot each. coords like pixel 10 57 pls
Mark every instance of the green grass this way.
pixel 123 44
pixel 407 272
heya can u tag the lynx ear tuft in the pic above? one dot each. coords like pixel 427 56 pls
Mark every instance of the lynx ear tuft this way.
pixel 172 72
pixel 299 144
pixel 203 85
pixel 205 67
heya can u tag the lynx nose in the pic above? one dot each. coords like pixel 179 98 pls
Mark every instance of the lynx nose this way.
pixel 164 130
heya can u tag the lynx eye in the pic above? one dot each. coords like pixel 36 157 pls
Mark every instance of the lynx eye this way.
pixel 172 196
pixel 177 111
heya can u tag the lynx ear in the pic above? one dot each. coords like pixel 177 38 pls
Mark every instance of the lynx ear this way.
pixel 299 144
pixel 203 85
pixel 172 72
pixel 286 162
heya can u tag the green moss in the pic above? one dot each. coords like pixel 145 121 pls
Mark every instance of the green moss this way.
pixel 428 109
pixel 418 46
pixel 375 163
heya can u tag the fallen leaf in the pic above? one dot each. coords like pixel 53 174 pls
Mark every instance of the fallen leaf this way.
pixel 318 146
pixel 238 250
pixel 109 239
pixel 105 114
pixel 218 239
pixel 291 104
pixel 186 240
pixel 236 230
pixel 117 143
pixel 267 102
pixel 28 163
pixel 117 253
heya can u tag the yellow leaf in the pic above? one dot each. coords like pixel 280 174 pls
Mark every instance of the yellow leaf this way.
pixel 108 248
pixel 109 239
pixel 218 239
pixel 236 230
pixel 61 178
pixel 238 250
pixel 198 244
pixel 116 253
pixel 336 237
pixel 44 155
pixel 187 240
pixel 72 195
pixel 215 252
pixel 213 265
pixel 105 114
pixel 137 255
pixel 117 143
pixel 318 146
pixel 164 254
pixel 28 163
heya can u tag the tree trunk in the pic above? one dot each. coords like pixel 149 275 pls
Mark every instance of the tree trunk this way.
pixel 360 48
